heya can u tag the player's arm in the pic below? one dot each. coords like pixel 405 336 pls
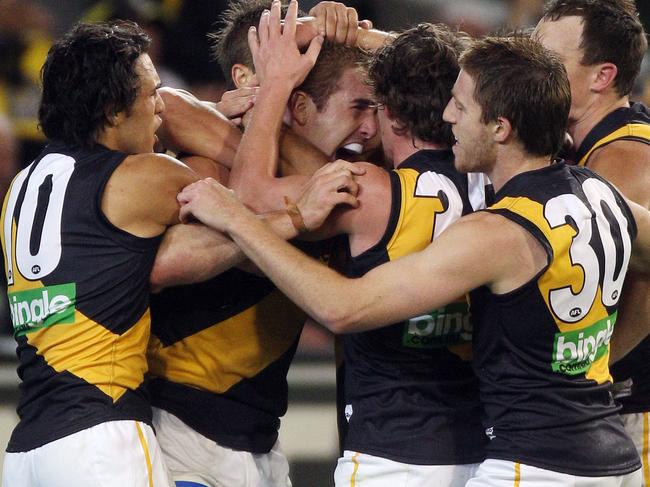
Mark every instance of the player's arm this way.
pixel 340 24
pixel 279 67
pixel 366 222
pixel 626 164
pixel 633 323
pixel 194 253
pixel 196 127
pixel 465 256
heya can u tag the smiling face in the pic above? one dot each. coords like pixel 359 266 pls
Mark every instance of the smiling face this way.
pixel 474 148
pixel 563 37
pixel 136 128
pixel 348 117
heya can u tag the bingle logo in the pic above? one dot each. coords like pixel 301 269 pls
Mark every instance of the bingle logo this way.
pixel 575 351
pixel 34 309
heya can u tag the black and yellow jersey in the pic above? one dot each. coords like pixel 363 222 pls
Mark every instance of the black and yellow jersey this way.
pixel 409 389
pixel 219 356
pixel 631 123
pixel 78 290
pixel 541 351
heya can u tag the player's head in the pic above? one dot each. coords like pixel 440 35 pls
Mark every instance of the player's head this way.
pixel 601 43
pixel 230 41
pixel 509 90
pixel 412 78
pixel 91 76
pixel 334 107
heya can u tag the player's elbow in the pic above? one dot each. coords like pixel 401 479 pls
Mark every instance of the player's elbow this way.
pixel 340 319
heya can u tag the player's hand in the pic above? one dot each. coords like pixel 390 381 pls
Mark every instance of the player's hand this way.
pixel 235 103
pixel 337 22
pixel 210 203
pixel 333 184
pixel 274 49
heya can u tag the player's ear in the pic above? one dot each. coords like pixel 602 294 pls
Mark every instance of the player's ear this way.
pixel 242 75
pixel 604 76
pixel 501 129
pixel 299 106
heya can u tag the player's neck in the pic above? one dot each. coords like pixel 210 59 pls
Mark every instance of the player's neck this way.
pixel 594 113
pixel 513 161
pixel 406 146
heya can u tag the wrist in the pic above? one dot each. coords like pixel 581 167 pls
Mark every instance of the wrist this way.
pixel 296 216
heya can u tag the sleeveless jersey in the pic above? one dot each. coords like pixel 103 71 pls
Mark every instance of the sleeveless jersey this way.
pixel 78 289
pixel 410 393
pixel 626 124
pixel 219 354
pixel 541 351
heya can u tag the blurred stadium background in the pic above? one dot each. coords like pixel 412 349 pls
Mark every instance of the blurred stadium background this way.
pixel 180 51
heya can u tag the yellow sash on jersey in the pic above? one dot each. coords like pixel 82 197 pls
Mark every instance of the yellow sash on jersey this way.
pixel 637 130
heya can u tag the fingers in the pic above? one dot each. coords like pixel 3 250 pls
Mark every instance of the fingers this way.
pixel 253 42
pixel 263 30
pixel 314 50
pixel 290 20
pixel 338 22
pixel 365 24
pixel 185 214
pixel 340 164
pixel 343 198
pixel 352 32
pixel 341 31
pixel 275 28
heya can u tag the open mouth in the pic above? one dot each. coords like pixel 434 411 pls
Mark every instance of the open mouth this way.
pixel 349 150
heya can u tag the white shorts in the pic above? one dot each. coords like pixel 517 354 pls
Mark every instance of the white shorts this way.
pixel 360 469
pixel 502 473
pixel 111 454
pixel 197 461
pixel 636 425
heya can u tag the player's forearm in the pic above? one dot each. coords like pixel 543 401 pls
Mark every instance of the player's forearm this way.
pixel 323 293
pixel 192 126
pixel 369 40
pixel 194 253
pixel 633 323
pixel 256 162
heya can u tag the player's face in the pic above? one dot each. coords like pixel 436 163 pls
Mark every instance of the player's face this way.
pixel 563 37
pixel 474 148
pixel 137 128
pixel 348 119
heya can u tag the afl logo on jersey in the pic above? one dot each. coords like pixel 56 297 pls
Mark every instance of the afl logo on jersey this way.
pixel 575 312
pixel 36 269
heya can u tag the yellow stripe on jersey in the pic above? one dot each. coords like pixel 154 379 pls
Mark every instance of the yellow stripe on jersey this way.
pixel 637 130
pixel 561 273
pixel 419 235
pixel 113 363
pixel 220 356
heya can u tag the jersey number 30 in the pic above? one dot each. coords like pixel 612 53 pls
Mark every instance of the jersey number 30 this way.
pixel 610 233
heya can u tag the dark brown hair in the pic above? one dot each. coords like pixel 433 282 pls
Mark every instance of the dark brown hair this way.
pixel 518 79
pixel 413 77
pixel 333 60
pixel 611 33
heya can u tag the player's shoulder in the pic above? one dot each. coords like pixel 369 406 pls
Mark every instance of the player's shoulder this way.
pixel 153 170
